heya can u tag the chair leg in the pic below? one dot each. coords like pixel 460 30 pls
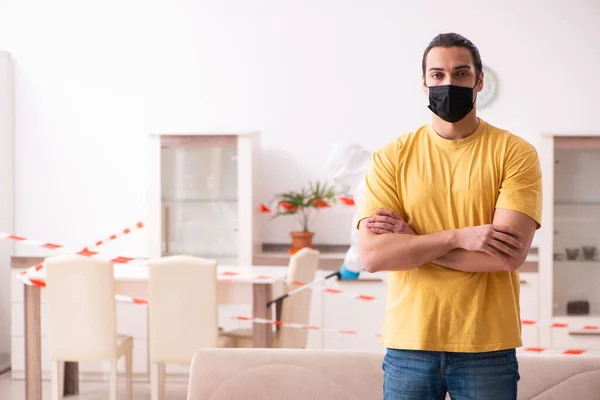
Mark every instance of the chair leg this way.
pixel 158 381
pixel 58 378
pixel 113 382
pixel 129 374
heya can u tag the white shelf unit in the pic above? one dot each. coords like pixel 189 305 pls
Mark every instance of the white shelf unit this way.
pixel 570 216
pixel 202 196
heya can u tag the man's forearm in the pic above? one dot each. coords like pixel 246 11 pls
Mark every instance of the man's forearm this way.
pixel 400 252
pixel 471 261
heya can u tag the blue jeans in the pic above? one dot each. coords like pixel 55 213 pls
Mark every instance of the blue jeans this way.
pixel 429 375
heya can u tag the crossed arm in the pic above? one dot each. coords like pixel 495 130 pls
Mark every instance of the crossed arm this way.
pixel 500 246
pixel 477 261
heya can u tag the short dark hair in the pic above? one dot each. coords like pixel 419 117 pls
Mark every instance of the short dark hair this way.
pixel 454 40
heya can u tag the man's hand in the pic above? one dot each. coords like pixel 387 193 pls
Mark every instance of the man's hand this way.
pixel 496 240
pixel 388 221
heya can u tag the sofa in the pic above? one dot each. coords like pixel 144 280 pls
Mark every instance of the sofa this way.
pixel 294 374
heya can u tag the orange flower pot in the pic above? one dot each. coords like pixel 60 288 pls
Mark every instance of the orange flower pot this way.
pixel 301 240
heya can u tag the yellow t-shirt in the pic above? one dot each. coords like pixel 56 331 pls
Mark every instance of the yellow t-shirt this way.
pixel 437 184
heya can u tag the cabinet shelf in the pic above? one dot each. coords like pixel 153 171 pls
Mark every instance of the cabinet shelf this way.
pixel 563 317
pixel 571 263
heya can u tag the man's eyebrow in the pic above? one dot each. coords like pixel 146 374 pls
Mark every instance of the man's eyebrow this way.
pixel 455 68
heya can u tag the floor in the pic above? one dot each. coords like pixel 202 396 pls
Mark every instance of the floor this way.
pixel 15 390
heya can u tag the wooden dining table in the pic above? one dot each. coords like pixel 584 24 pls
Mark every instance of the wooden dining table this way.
pixel 235 285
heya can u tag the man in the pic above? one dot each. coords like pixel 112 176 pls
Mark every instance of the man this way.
pixel 466 197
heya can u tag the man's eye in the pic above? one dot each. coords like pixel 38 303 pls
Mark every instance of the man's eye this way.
pixel 436 76
pixel 463 74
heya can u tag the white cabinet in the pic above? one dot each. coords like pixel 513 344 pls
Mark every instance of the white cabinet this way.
pixel 529 302
pixel 366 317
pixel 6 196
pixel 341 312
pixel 202 196
pixel 570 242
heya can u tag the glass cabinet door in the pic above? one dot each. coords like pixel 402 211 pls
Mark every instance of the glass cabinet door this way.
pixel 199 195
pixel 576 258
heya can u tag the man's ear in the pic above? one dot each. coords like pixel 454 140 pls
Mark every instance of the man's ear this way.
pixel 425 88
pixel 480 82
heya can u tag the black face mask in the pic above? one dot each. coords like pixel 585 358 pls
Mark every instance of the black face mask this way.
pixel 451 103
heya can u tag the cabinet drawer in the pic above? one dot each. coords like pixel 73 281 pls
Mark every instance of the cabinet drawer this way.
pixel 529 295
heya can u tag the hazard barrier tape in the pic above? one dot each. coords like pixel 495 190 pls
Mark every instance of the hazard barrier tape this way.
pixel 553 351
pixel 333 291
pixel 297 326
pixel 280 323
pixel 115 236
pixel 24 273
pixel 53 246
pixel 351 332
pixel 25 277
pixel 561 325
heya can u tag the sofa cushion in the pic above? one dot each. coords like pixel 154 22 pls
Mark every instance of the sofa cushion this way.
pixel 550 377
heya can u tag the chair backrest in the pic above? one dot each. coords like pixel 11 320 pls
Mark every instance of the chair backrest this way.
pixel 302 268
pixel 183 307
pixel 82 319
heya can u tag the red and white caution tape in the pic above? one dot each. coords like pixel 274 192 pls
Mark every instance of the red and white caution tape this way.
pixel 129 299
pixel 83 252
pixel 332 291
pixel 553 351
pixel 298 326
pixel 27 279
pixel 55 246
pixel 538 350
pixel 115 236
pixel 23 275
pixel 562 325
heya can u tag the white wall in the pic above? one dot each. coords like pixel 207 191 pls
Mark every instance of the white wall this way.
pixel 93 79
pixel 6 194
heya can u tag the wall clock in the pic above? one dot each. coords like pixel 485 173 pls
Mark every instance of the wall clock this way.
pixel 490 88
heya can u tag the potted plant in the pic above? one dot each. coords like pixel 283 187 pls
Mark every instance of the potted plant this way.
pixel 305 204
